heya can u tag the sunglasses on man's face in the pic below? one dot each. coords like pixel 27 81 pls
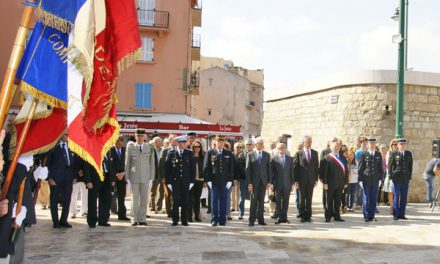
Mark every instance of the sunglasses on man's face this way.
pixel 197 147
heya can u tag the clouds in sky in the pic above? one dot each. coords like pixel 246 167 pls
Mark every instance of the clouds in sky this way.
pixel 309 42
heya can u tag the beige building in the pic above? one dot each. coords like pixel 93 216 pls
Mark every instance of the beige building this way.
pixel 225 94
pixel 363 103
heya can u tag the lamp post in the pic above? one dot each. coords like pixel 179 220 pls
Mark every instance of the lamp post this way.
pixel 401 67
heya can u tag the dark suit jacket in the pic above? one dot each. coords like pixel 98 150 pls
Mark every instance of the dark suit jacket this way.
pixel 256 172
pixel 219 169
pixel 57 165
pixel 117 163
pixel 240 167
pixel 370 168
pixel 322 160
pixel 163 158
pixel 305 172
pixel 92 176
pixel 282 174
pixel 333 175
pixel 180 168
pixel 400 167
pixel 199 163
pixel 80 164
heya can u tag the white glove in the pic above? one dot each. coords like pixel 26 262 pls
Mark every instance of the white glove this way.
pixel 210 185
pixel 128 183
pixel 228 185
pixel 380 182
pixel 191 185
pixel 170 187
pixel 361 184
pixel 150 183
pixel 21 216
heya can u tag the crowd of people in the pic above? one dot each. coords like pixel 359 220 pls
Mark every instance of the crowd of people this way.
pixel 174 171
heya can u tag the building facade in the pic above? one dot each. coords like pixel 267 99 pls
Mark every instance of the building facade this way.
pixel 227 94
pixel 360 104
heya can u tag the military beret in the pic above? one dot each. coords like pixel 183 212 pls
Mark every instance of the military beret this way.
pixel 140 132
pixel 220 138
pixel 191 134
pixel 401 141
pixel 181 139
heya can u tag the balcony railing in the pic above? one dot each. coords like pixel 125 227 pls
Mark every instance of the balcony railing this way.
pixel 197 41
pixel 195 80
pixel 153 18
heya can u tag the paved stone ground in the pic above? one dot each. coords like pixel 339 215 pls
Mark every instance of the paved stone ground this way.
pixel 416 240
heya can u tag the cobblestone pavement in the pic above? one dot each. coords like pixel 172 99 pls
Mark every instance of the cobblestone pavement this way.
pixel 416 240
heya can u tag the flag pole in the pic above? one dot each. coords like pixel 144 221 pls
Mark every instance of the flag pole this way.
pixel 18 149
pixel 8 87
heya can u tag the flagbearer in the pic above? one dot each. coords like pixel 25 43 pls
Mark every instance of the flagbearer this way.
pixel 335 179
pixel 180 174
pixel 139 173
pixel 370 178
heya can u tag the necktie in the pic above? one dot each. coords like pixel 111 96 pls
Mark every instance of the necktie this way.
pixel 63 146
pixel 283 159
pixel 119 152
pixel 259 157
pixel 140 148
pixel 308 156
pixel 180 153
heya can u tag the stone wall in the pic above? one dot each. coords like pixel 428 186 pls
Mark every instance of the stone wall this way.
pixel 356 111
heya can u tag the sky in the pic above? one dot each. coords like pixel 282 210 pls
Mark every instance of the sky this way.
pixel 296 41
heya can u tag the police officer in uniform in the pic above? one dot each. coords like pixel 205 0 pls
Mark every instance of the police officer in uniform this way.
pixel 370 178
pixel 179 177
pixel 400 167
pixel 218 167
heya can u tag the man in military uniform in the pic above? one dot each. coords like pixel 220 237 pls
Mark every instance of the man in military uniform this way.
pixel 139 174
pixel 370 178
pixel 400 167
pixel 219 173
pixel 180 173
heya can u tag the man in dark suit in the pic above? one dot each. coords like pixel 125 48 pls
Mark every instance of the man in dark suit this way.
pixel 218 168
pixel 400 166
pixel 180 175
pixel 306 173
pixel 282 180
pixel 99 190
pixel 117 163
pixel 60 163
pixel 258 178
pixel 370 177
pixel 335 179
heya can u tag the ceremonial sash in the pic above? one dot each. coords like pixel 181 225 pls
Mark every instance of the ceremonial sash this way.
pixel 338 161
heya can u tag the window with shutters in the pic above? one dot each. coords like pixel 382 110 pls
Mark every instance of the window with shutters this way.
pixel 147 49
pixel 143 97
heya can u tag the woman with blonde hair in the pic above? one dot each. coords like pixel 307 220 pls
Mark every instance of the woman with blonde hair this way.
pixel 388 184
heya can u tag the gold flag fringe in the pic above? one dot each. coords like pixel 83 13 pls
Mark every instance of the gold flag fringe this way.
pixel 128 60
pixel 40 96
pixel 54 21
pixel 88 158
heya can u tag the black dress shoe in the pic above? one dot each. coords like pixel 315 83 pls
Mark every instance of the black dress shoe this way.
pixel 66 225
pixel 298 216
pixel 403 218
pixel 251 224
pixel 124 219
pixel 367 220
pixel 169 215
pixel 339 220
pixel 174 224
pixel 208 212
pixel 143 223
pixel 240 218
pixel 214 224
pixel 262 223
pixel 309 220
pixel 273 217
pixel 104 224
pixel 327 220
pixel 190 220
pixel 373 219
pixel 148 216
pixel 185 224
pixel 229 218
pixel 222 224
pixel 198 219
pixel 303 220
pixel 135 224
pixel 92 226
pixel 56 225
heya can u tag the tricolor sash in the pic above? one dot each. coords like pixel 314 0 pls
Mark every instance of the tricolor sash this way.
pixel 338 161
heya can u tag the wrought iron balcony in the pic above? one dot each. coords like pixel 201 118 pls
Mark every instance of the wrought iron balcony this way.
pixel 154 19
